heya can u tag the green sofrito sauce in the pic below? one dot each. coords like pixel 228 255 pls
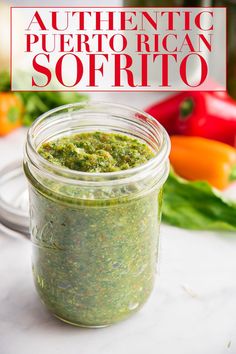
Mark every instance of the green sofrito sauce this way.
pixel 94 251
pixel 97 152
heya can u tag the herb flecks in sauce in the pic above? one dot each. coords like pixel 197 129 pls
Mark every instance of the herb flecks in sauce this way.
pixel 96 152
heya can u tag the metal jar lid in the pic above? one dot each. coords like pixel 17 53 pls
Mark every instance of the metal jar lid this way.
pixel 14 206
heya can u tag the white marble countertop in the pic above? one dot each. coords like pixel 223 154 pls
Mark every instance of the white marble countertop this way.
pixel 192 309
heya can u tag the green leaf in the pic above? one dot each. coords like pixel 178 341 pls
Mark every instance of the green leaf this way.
pixel 37 103
pixel 196 206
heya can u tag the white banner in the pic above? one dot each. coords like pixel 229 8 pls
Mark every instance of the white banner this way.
pixel 118 49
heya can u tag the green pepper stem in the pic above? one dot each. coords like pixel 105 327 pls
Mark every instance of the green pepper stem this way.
pixel 186 108
pixel 232 176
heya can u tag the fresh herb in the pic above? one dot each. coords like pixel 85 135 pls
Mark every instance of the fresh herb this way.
pixel 196 206
pixel 37 103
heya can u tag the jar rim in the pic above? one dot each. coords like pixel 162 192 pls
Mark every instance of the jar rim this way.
pixel 33 156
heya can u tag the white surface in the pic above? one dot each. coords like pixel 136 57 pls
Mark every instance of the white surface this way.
pixel 191 311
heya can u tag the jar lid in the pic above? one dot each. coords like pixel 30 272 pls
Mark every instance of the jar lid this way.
pixel 14 206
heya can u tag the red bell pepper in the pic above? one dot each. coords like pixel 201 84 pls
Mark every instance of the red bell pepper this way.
pixel 166 112
pixel 210 115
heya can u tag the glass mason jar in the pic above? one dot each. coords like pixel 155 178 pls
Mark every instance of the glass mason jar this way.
pixel 95 235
